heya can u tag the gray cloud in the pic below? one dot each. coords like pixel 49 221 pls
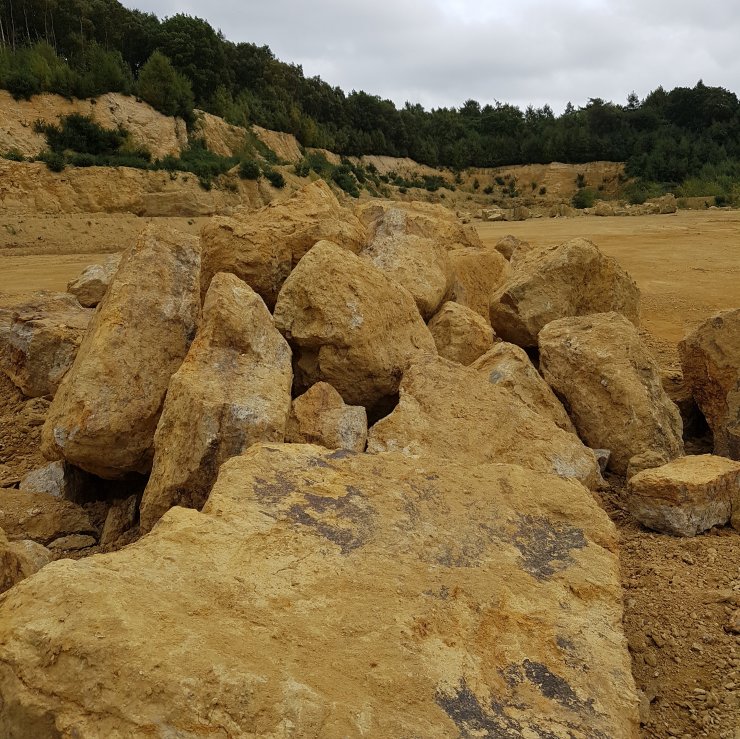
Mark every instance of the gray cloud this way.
pixel 442 52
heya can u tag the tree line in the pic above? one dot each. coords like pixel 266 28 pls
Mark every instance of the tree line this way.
pixel 87 47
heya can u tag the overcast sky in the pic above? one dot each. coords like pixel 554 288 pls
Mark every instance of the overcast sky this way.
pixel 442 52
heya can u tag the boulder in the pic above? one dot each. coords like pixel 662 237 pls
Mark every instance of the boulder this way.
pixel 686 496
pixel 58 479
pixel 612 387
pixel 329 594
pixel 40 517
pixel 453 413
pixel 39 341
pixel 320 416
pixel 603 209
pixel 508 245
pixel 262 247
pixel 551 282
pixel 120 519
pixel 460 334
pixel 645 461
pixel 90 287
pixel 418 263
pixel 476 273
pixel 105 413
pixel 518 213
pixel 232 390
pixel 710 357
pixel 561 210
pixel 349 324
pixel 508 366
pixel 19 560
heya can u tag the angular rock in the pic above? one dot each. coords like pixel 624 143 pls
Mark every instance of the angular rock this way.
pixel 460 334
pixel 551 282
pixel 497 586
pixel 105 413
pixel 420 264
pixel 263 247
pixel 19 560
pixel 645 461
pixel 92 284
pixel 39 341
pixel 686 496
pixel 121 518
pixel 232 390
pixel 710 357
pixel 611 386
pixel 34 412
pixel 476 275
pixel 349 324
pixel 40 517
pixel 509 367
pixel 452 412
pixel 58 479
pixel 320 416
pixel 508 245
pixel 72 543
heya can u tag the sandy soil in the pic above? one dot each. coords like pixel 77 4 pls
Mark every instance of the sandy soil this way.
pixel 679 593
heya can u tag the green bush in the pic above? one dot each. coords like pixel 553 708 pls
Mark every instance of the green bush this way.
pixel 275 178
pixel 53 160
pixel 344 178
pixel 22 84
pixel 164 88
pixel 488 189
pixel 543 190
pixel 81 134
pixel 585 197
pixel 83 160
pixel 249 169
pixel 14 156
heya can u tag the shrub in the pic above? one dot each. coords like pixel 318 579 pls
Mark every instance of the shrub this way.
pixel 580 180
pixel 14 156
pixel 83 160
pixel 22 84
pixel 543 190
pixel 275 178
pixel 164 88
pixel 53 160
pixel 500 181
pixel 249 169
pixel 342 175
pixel 584 198
pixel 81 134
pixel 476 184
pixel 488 189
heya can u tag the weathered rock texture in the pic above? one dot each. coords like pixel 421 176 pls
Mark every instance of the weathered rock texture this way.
pixel 350 325
pixel 612 387
pixel 551 282
pixel 285 145
pixel 460 334
pixel 476 274
pixel 320 416
pixel 452 412
pixel 19 560
pixel 509 367
pixel 263 247
pixel 686 496
pixel 418 263
pixel 219 136
pixel 90 287
pixel 105 413
pixel 39 341
pixel 497 588
pixel 508 245
pixel 232 390
pixel 58 478
pixel 710 357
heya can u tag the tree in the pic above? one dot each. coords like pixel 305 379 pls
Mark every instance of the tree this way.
pixel 164 88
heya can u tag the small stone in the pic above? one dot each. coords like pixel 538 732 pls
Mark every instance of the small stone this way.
pixel 73 543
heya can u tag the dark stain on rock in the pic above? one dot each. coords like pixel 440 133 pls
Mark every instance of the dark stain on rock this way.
pixel 554 687
pixel 545 547
pixel 273 491
pixel 342 454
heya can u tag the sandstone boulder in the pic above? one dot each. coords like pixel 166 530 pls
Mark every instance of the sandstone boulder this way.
pixel 120 519
pixel 686 496
pixel 40 517
pixel 19 560
pixel 645 461
pixel 508 366
pixel 508 245
pixel 460 334
pixel 320 416
pixel 232 390
pixel 39 341
pixel 90 287
pixel 611 385
pixel 476 274
pixel 105 413
pixel 349 324
pixel 551 282
pixel 418 263
pixel 710 357
pixel 452 412
pixel 263 247
pixel 496 587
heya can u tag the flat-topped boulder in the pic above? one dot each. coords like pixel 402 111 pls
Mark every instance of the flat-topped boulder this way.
pixel 344 595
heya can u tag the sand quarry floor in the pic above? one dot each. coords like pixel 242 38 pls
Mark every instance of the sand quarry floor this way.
pixel 679 593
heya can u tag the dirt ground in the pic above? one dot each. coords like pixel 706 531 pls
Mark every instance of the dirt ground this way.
pixel 680 594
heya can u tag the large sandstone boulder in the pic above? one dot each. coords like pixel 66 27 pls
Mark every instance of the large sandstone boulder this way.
pixel 262 248
pixel 418 263
pixel 611 385
pixel 39 341
pixel 349 324
pixel 452 412
pixel 460 334
pixel 509 367
pixel 686 496
pixel 105 413
pixel 320 416
pixel 476 274
pixel 710 357
pixel 331 594
pixel 91 285
pixel 232 390
pixel 19 560
pixel 551 282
